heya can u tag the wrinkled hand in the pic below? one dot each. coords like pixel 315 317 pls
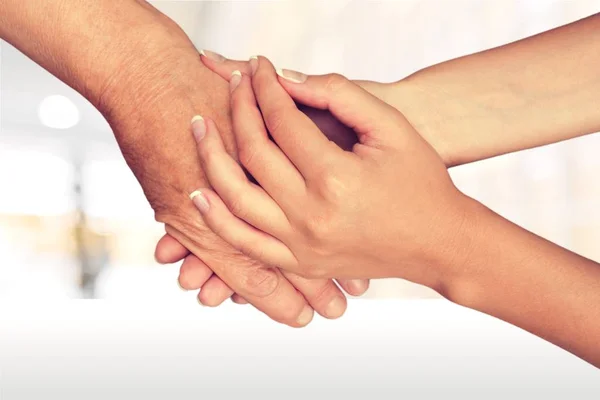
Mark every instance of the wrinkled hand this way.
pixel 194 273
pixel 386 209
pixel 149 104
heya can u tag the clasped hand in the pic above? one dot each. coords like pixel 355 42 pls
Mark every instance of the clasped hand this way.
pixel 388 208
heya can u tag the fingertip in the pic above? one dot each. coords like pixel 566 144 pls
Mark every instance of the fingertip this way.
pixel 200 200
pixel 237 299
pixel 355 287
pixel 199 127
pixel 235 79
pixel 168 250
pixel 214 292
pixel 306 316
pixel 291 76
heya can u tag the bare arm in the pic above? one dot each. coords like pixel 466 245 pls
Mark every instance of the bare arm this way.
pixel 533 92
pixel 423 230
pixel 530 282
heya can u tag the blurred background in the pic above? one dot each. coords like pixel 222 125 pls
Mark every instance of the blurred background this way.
pixel 74 222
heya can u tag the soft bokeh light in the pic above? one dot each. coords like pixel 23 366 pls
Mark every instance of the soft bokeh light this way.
pixel 58 112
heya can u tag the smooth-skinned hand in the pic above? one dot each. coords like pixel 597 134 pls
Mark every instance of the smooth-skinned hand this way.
pixel 388 208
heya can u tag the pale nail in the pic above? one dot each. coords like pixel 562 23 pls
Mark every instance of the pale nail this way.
pixel 335 308
pixel 216 57
pixel 200 201
pixel 305 316
pixel 198 127
pixel 236 78
pixel 292 76
pixel 253 64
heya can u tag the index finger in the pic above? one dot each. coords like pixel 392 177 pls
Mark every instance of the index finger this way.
pixel 297 136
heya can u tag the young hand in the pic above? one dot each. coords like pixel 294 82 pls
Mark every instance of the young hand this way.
pixel 386 209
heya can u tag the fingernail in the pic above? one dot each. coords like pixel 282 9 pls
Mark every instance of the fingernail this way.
pixel 292 76
pixel 359 285
pixel 335 308
pixel 181 287
pixel 236 78
pixel 200 201
pixel 216 57
pixel 198 127
pixel 253 64
pixel 305 316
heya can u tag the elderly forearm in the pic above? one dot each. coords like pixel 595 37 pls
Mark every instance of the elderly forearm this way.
pixel 536 91
pixel 83 42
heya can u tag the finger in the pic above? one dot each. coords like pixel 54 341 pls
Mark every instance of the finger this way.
pixel 237 299
pixel 265 288
pixel 222 66
pixel 354 287
pixel 356 108
pixel 244 199
pixel 250 241
pixel 169 251
pixel 193 273
pixel 299 138
pixel 214 292
pixel 322 294
pixel 261 157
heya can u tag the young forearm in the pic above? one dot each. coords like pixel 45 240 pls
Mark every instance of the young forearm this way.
pixel 514 275
pixel 536 91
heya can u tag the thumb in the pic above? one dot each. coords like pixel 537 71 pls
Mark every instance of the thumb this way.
pixel 374 121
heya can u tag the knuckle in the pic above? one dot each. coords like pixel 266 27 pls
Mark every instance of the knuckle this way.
pixel 274 119
pixel 289 314
pixel 333 187
pixel 317 228
pixel 248 154
pixel 335 82
pixel 237 205
pixel 261 282
pixel 325 293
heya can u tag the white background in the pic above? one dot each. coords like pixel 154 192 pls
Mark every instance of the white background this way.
pixel 396 349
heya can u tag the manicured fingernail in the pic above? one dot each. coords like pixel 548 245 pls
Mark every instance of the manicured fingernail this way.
pixel 253 64
pixel 200 201
pixel 305 316
pixel 181 287
pixel 292 76
pixel 236 78
pixel 335 308
pixel 216 57
pixel 198 127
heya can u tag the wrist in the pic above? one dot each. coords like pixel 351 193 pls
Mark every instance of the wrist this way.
pixel 458 259
pixel 427 115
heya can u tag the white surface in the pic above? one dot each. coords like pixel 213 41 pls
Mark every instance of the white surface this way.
pixel 178 350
